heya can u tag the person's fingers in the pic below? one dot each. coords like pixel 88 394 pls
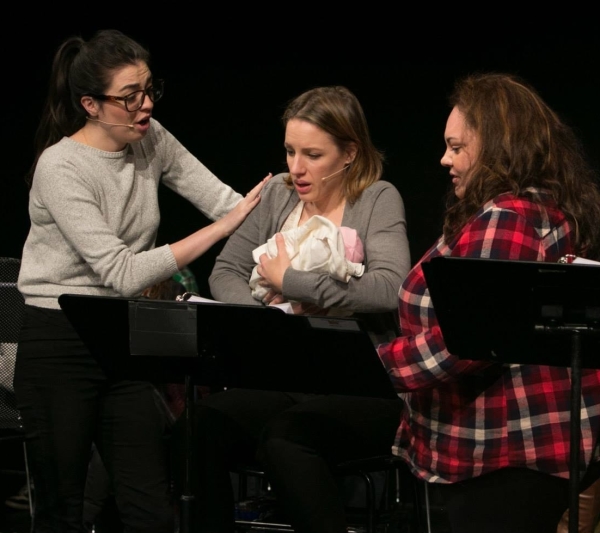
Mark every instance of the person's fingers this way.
pixel 254 193
pixel 280 241
pixel 277 299
pixel 273 297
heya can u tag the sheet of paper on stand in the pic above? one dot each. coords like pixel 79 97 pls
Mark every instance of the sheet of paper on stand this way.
pixel 285 307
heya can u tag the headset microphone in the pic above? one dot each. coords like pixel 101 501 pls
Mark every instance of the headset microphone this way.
pixel 336 172
pixel 110 123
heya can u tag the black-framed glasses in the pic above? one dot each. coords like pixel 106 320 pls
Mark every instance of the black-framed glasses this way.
pixel 133 101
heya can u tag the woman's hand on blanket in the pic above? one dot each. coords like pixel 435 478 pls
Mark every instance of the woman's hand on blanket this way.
pixel 271 270
pixel 304 308
pixel 273 298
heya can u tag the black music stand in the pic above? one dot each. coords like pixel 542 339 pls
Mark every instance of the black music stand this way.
pixel 522 312
pixel 225 346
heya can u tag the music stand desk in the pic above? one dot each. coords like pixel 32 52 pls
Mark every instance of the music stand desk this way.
pixel 224 346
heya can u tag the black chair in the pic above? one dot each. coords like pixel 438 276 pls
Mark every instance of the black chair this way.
pixel 392 498
pixel 12 309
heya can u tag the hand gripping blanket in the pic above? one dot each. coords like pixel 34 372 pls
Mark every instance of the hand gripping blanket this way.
pixel 318 245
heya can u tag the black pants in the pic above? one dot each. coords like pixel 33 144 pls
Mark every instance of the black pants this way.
pixel 67 402
pixel 509 500
pixel 295 438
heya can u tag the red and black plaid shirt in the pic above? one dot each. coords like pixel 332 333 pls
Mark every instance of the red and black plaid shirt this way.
pixel 465 418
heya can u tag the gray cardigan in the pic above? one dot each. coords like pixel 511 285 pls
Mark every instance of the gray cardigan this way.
pixel 378 217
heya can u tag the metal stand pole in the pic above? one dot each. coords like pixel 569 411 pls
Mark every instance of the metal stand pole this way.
pixel 575 430
pixel 187 497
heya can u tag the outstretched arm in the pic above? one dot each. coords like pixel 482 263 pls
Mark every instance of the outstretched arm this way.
pixel 190 248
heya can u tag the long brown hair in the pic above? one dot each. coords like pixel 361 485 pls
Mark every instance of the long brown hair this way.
pixel 523 144
pixel 337 111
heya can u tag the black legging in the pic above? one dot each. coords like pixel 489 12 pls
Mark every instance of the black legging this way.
pixel 510 500
pixel 67 402
pixel 295 438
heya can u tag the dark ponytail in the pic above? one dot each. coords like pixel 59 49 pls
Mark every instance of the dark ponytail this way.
pixel 80 68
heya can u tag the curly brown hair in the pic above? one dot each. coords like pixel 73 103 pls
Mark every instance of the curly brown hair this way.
pixel 523 143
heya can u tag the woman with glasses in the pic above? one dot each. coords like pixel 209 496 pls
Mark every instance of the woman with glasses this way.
pixel 94 218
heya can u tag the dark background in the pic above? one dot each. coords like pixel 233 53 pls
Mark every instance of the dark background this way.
pixel 228 78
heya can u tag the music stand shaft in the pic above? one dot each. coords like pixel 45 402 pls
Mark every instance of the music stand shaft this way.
pixel 187 496
pixel 575 430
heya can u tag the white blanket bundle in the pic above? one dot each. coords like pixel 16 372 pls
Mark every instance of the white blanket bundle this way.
pixel 317 245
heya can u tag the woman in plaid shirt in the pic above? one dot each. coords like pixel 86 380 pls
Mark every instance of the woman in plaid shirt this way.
pixel 494 437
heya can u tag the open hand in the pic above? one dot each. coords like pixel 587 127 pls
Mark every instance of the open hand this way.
pixel 231 221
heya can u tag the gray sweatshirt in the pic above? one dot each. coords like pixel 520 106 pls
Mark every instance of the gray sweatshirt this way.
pixel 95 215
